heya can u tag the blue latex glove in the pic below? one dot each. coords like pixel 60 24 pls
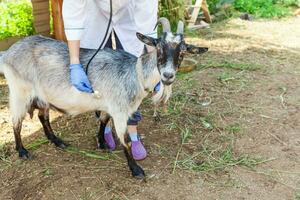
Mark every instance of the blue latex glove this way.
pixel 79 79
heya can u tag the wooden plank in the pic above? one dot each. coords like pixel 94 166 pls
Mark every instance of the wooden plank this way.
pixel 36 1
pixel 206 13
pixel 41 16
pixel 40 5
pixel 46 33
pixel 6 43
pixel 42 28
pixel 41 23
pixel 40 10
pixel 195 12
pixel 200 4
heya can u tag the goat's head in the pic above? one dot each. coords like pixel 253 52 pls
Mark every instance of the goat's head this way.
pixel 171 49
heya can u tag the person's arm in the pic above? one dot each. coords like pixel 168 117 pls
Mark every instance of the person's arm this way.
pixel 74 47
pixel 74 16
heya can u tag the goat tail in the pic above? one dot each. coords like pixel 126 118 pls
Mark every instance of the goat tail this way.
pixel 1 63
pixel 163 94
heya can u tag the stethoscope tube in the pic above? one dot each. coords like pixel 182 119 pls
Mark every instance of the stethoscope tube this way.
pixel 104 39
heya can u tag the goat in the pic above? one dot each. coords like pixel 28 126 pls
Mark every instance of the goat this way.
pixel 38 78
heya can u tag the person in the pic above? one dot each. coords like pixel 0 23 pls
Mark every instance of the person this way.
pixel 85 22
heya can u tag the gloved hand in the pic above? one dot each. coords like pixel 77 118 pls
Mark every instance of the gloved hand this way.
pixel 79 79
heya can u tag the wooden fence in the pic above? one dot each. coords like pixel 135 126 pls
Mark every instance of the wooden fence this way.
pixel 41 13
pixel 6 43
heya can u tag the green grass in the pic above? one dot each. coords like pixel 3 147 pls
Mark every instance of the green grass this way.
pixel 225 77
pixel 212 160
pixel 297 195
pixel 206 123
pixel 234 128
pixel 88 195
pixel 37 144
pixel 92 154
pixel 193 122
pixel 48 172
pixel 85 153
pixel 5 160
pixel 185 135
pixel 230 65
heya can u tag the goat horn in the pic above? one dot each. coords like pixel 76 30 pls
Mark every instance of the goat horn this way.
pixel 165 24
pixel 180 27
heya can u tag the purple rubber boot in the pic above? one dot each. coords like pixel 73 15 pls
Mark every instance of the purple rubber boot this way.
pixel 109 139
pixel 137 149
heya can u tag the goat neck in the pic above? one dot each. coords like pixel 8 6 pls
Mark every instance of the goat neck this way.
pixel 148 73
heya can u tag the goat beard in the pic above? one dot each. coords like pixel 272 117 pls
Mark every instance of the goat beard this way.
pixel 163 95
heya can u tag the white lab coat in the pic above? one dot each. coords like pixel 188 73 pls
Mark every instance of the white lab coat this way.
pixel 86 20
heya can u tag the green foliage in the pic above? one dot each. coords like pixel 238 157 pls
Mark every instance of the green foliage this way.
pixel 262 8
pixel 16 18
pixel 212 5
pixel 288 3
pixel 259 8
pixel 215 5
pixel 173 10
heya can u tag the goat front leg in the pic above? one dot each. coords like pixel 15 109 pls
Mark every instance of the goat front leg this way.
pixel 44 119
pixel 120 122
pixel 156 114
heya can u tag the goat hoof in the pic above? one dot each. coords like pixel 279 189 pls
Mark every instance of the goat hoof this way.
pixel 102 146
pixel 62 146
pixel 157 117
pixel 60 143
pixel 140 177
pixel 24 154
pixel 138 172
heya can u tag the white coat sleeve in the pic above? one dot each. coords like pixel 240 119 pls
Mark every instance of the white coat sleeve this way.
pixel 146 16
pixel 74 16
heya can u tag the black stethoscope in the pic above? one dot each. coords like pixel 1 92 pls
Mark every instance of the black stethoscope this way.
pixel 104 38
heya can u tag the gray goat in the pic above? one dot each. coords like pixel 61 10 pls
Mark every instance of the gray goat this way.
pixel 36 69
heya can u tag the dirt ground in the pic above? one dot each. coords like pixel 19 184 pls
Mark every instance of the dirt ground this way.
pixel 230 131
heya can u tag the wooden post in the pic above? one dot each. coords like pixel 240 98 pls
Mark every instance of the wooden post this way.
pixel 195 12
pixel 205 10
pixel 58 25
pixel 41 16
pixel 194 15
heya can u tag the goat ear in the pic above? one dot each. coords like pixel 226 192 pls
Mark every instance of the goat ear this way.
pixel 195 50
pixel 146 39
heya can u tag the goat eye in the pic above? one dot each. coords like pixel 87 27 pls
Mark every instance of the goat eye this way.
pixel 183 52
pixel 180 58
pixel 181 55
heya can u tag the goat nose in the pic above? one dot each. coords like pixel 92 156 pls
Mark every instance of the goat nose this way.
pixel 168 75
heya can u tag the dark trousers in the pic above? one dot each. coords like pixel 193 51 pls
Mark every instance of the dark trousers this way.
pixel 136 117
